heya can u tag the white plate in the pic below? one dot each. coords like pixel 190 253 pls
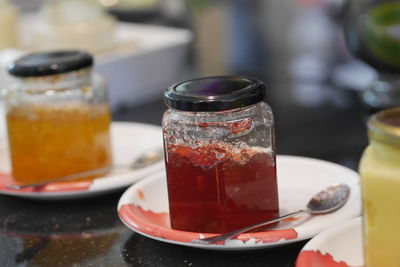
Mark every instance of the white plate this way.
pixel 340 246
pixel 129 141
pixel 144 206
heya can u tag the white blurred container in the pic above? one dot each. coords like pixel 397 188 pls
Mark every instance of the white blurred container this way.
pixel 148 60
pixel 67 24
pixel 144 60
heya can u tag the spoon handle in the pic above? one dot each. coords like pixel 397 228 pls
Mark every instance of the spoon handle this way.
pixel 228 235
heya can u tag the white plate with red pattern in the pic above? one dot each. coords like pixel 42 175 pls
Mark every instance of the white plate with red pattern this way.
pixel 144 206
pixel 129 141
pixel 340 246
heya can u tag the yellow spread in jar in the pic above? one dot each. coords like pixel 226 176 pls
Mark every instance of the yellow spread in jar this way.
pixel 380 173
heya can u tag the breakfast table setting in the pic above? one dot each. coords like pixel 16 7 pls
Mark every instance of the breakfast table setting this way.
pixel 201 134
pixel 122 219
pixel 88 231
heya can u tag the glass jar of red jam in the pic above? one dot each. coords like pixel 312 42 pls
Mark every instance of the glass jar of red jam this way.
pixel 220 154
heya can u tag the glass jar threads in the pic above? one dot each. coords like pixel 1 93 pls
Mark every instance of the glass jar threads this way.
pixel 57 116
pixel 220 154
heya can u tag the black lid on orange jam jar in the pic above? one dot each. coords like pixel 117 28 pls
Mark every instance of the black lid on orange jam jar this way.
pixel 216 93
pixel 50 63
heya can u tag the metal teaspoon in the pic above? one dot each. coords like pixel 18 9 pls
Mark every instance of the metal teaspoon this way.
pixel 328 200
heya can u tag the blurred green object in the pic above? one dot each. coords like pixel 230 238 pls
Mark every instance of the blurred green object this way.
pixel 372 31
pixel 197 4
pixel 382 32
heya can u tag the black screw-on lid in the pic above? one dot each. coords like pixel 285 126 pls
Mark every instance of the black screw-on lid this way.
pixel 215 93
pixel 49 63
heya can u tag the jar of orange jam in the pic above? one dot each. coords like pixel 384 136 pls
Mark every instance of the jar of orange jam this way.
pixel 380 173
pixel 58 117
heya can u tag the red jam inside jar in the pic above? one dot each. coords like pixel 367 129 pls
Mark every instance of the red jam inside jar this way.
pixel 216 188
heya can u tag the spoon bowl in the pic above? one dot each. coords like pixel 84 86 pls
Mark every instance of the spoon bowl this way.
pixel 329 199
pixel 326 201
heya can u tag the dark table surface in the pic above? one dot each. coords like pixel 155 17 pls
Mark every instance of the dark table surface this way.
pixel 88 232
pixel 314 118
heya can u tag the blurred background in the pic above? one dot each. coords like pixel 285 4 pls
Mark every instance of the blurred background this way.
pixel 319 92
pixel 315 86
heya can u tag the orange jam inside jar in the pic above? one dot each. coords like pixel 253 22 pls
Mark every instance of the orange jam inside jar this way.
pixel 58 124
pixel 220 154
pixel 54 141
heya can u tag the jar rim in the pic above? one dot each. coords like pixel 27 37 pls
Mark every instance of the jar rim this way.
pixel 384 126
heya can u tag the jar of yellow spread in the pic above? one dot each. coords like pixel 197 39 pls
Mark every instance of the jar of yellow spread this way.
pixel 9 17
pixel 57 115
pixel 380 173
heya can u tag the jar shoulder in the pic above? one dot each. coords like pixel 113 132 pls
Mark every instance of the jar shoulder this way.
pixel 261 112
